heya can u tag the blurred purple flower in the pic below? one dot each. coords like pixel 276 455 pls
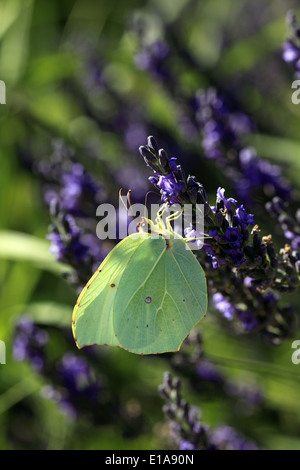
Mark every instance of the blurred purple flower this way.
pixel 224 306
pixel 247 318
pixel 207 371
pixel 77 377
pixel 258 172
pixel 29 343
pixel 152 58
pixel 227 438
pixel 67 244
pixel 77 186
pixel 134 134
pixel 186 445
pixel 291 53
pixel 222 130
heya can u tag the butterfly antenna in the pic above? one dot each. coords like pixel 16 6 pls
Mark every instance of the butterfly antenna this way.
pixel 133 216
pixel 146 197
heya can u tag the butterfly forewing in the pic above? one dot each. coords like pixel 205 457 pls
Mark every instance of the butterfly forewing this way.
pixel 93 313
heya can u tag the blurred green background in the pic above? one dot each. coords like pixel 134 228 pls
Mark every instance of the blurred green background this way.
pixel 238 45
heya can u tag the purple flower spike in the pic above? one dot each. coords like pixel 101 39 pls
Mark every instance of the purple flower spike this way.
pixel 29 343
pixel 170 188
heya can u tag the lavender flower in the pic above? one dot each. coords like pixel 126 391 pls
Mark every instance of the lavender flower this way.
pixel 207 371
pixel 73 246
pixel 291 47
pixel 77 186
pixel 290 225
pixel 186 445
pixel 227 438
pixel 243 218
pixel 205 377
pixel 66 244
pixel 221 225
pixel 228 310
pixel 91 65
pixel 291 54
pixel 218 123
pixel 134 133
pixel 233 246
pixel 75 388
pixel 77 377
pixel 258 173
pixel 49 392
pixel 73 196
pixel 153 58
pixel 186 428
pixel 29 343
pixel 222 125
pixel 222 129
pixel 68 183
pixel 169 187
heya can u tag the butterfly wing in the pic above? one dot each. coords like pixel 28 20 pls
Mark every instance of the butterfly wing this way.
pixel 161 296
pixel 93 313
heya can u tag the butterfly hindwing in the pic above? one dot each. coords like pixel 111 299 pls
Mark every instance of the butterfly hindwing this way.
pixel 161 296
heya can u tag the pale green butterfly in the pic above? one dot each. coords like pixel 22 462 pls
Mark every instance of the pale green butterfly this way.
pixel 145 297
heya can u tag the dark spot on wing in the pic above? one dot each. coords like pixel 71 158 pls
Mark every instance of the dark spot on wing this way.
pixel 113 285
pixel 148 300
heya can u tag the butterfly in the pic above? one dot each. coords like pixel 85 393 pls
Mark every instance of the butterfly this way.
pixel 146 296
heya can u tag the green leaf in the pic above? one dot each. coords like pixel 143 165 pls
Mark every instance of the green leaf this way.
pixel 22 246
pixel 50 313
